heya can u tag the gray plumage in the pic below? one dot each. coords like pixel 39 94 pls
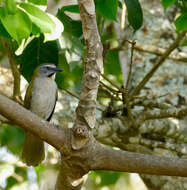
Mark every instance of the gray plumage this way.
pixel 40 98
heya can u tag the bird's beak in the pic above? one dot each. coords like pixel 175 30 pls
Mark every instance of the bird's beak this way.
pixel 57 70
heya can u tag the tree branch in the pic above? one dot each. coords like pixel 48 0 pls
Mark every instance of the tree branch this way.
pixel 148 48
pixel 180 149
pixel 31 122
pixel 14 69
pixel 86 110
pixel 92 156
pixel 176 113
pixel 131 61
pixel 117 160
pixel 159 63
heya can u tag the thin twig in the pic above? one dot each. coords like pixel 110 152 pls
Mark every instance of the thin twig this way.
pixel 158 64
pixel 76 96
pixel 109 88
pixel 72 94
pixel 131 61
pixel 176 113
pixel 14 69
pixel 106 90
pixel 148 48
pixel 151 104
pixel 150 143
pixel 112 83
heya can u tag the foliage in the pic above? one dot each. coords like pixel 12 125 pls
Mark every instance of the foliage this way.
pixel 180 21
pixel 30 30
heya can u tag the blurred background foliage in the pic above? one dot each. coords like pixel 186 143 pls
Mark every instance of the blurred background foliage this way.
pixel 28 27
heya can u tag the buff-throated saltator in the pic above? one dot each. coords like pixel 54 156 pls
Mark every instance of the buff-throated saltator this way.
pixel 40 98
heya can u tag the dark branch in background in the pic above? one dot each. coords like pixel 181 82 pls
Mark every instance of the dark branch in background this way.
pixel 151 144
pixel 14 69
pixel 176 113
pixel 151 104
pixel 131 62
pixel 148 48
pixel 112 83
pixel 158 63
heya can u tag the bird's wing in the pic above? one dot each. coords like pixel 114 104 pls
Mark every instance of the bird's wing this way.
pixel 49 118
pixel 28 95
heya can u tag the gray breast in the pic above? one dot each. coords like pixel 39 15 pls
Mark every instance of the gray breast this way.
pixel 43 97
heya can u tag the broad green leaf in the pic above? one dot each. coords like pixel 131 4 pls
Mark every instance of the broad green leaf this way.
pixel 112 62
pixel 35 30
pixel 181 22
pixel 18 25
pixel 184 42
pixel 167 3
pixel 72 27
pixel 3 31
pixel 36 53
pixel 135 15
pixel 39 17
pixel 106 177
pixel 57 31
pixel 10 182
pixel 107 8
pixel 72 44
pixel 12 137
pixel 71 8
pixel 11 6
pixel 38 2
pixel 185 3
pixel 71 48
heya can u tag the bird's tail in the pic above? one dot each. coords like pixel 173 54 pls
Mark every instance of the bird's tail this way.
pixel 33 150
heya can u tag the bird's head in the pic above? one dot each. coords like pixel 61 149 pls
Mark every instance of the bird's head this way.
pixel 47 70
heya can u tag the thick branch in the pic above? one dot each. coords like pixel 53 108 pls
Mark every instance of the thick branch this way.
pixel 31 122
pixel 86 110
pixel 117 160
pixel 94 154
pixel 159 63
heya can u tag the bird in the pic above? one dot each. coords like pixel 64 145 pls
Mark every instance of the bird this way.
pixel 40 98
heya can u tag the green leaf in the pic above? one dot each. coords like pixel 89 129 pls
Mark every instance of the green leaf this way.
pixel 112 64
pixel 38 2
pixel 12 137
pixel 3 31
pixel 18 25
pixel 184 42
pixel 39 17
pixel 71 47
pixel 167 3
pixel 11 6
pixel 10 182
pixel 37 53
pixel 71 27
pixel 57 31
pixel 73 44
pixel 181 22
pixel 107 8
pixel 135 15
pixel 106 177
pixel 71 8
